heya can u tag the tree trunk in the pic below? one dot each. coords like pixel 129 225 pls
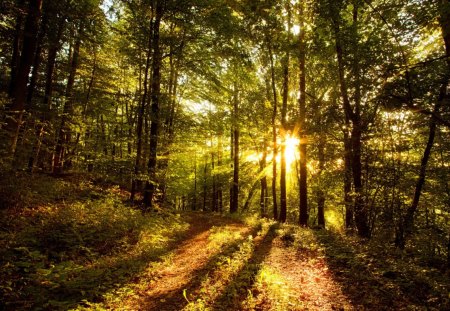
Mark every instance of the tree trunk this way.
pixel 263 194
pixel 17 42
pixel 283 200
pixel 407 223
pixel 150 186
pixel 19 87
pixel 274 134
pixel 303 190
pixel 349 221
pixel 320 192
pixel 140 117
pixel 64 135
pixel 194 204
pixel 406 226
pixel 354 116
pixel 205 185
pixel 219 182
pixel 234 206
pixel 361 213
pixel 232 160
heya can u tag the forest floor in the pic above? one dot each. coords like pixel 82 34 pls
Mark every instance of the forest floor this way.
pixel 74 244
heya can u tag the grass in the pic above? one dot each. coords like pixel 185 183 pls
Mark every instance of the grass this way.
pixel 80 247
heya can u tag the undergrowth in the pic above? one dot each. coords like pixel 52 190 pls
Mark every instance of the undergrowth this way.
pixel 66 252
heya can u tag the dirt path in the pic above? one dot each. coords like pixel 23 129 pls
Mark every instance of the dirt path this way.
pixel 223 264
pixel 304 279
pixel 188 263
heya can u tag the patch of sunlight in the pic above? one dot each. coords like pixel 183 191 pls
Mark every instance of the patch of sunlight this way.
pixel 222 281
pixel 221 236
pixel 430 40
pixel 334 219
pixel 273 292
pixel 229 272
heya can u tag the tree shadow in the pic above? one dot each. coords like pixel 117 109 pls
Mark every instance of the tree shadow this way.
pixel 236 291
pixel 374 280
pixel 72 284
pixel 179 297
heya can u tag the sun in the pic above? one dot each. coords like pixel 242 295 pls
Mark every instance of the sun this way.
pixel 291 150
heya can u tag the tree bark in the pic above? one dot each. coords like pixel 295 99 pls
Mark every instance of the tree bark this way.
pixel 320 191
pixel 407 223
pixel 263 193
pixel 354 115
pixel 140 116
pixel 150 186
pixel 303 190
pixel 235 201
pixel 283 200
pixel 19 87
pixel 17 42
pixel 274 133
pixel 64 135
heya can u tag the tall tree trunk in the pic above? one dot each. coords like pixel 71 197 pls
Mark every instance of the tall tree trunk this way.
pixel 15 57
pixel 214 186
pixel 234 207
pixel 194 204
pixel 360 208
pixel 360 211
pixel 303 208
pixel 283 200
pixel 262 168
pixel 150 186
pixel 64 135
pixel 140 117
pixel 205 184
pixel 219 182
pixel 349 217
pixel 36 61
pixel 232 160
pixel 320 191
pixel 274 133
pixel 406 226
pixel 19 88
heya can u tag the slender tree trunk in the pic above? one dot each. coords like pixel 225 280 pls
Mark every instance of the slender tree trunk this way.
pixel 320 192
pixel 64 135
pixel 262 167
pixel 214 186
pixel 274 134
pixel 406 226
pixel 234 207
pixel 250 195
pixel 283 200
pixel 232 160
pixel 361 212
pixel 15 57
pixel 219 182
pixel 194 205
pixel 205 184
pixel 349 221
pixel 36 61
pixel 303 191
pixel 150 186
pixel 140 117
pixel 19 87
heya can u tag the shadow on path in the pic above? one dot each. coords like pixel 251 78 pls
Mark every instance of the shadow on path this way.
pixel 236 291
pixel 173 298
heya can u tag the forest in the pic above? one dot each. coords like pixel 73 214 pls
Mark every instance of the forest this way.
pixel 224 155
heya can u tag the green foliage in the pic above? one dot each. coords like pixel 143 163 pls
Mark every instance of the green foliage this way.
pixel 55 256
